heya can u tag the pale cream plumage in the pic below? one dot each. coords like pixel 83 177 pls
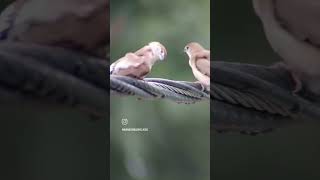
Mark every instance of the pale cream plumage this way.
pixel 76 24
pixel 139 64
pixel 293 45
pixel 199 61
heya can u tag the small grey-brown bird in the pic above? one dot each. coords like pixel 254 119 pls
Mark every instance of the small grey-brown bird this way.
pixel 139 64
pixel 292 30
pixel 199 61
pixel 74 24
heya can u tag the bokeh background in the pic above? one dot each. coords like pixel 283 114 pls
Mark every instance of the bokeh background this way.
pixel 177 143
pixel 289 153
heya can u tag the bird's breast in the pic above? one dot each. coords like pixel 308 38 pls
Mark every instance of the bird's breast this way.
pixel 300 56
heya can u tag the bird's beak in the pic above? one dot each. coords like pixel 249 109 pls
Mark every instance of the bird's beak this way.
pixel 185 51
pixel 182 52
pixel 161 57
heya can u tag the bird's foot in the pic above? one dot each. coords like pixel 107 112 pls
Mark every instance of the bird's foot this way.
pixel 200 85
pixel 203 88
pixel 297 83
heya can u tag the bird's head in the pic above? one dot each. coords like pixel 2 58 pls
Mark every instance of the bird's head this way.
pixel 158 50
pixel 191 48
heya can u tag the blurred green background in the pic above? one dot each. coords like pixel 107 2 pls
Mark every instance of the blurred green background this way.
pixel 177 143
pixel 289 153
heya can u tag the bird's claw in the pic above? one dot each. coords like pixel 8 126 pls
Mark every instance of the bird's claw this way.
pixel 297 83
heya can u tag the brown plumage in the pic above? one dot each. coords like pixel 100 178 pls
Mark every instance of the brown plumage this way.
pixel 75 24
pixel 139 64
pixel 292 30
pixel 199 61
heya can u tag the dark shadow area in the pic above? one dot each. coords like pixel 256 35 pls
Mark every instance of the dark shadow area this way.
pixel 290 152
pixel 54 91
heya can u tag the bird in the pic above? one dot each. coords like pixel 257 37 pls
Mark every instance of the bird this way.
pixel 253 99
pixel 199 61
pixel 139 64
pixel 74 24
pixel 291 35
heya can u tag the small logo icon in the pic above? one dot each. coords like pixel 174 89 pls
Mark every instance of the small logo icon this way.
pixel 124 121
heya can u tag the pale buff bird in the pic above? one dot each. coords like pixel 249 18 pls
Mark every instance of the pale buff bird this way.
pixel 75 24
pixel 139 64
pixel 292 29
pixel 199 61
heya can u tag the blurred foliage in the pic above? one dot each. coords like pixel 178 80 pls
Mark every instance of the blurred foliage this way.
pixel 288 153
pixel 177 143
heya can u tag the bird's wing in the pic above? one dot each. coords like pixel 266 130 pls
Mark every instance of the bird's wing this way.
pixel 130 65
pixel 207 54
pixel 142 50
pixel 78 24
pixel 203 65
pixel 253 99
